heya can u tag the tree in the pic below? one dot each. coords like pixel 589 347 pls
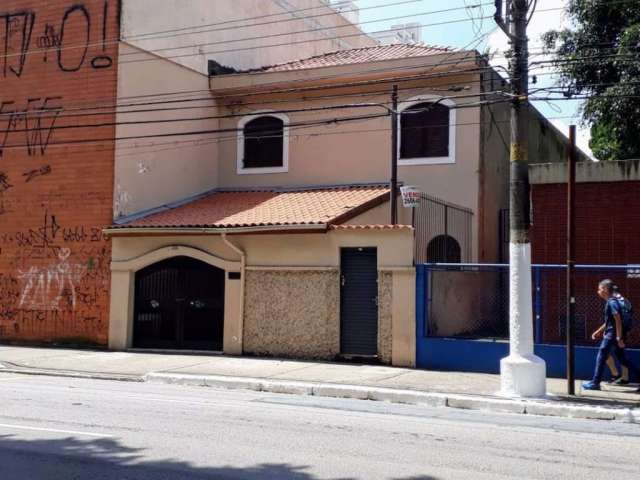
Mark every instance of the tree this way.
pixel 599 56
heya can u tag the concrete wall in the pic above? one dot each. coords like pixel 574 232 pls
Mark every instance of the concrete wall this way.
pixel 58 58
pixel 153 171
pixel 494 169
pixel 546 144
pixel 462 302
pixel 291 285
pixel 586 172
pixel 278 31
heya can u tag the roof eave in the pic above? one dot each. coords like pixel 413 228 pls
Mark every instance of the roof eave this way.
pixel 154 231
pixel 337 74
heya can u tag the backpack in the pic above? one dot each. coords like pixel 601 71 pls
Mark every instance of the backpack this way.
pixel 626 312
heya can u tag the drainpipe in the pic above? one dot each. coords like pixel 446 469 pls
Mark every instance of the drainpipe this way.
pixel 243 265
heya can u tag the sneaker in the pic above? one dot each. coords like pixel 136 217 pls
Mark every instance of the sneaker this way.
pixel 620 381
pixel 614 379
pixel 590 386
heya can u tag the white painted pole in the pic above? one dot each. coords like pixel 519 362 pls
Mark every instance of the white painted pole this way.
pixel 522 374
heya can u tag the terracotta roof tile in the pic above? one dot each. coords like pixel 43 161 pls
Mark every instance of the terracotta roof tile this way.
pixel 370 227
pixel 264 208
pixel 357 55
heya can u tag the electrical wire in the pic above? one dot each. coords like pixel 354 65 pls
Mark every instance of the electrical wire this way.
pixel 228 130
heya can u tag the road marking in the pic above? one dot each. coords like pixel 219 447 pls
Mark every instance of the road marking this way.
pixel 54 430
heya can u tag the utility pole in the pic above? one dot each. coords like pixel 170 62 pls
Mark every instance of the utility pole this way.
pixel 394 156
pixel 571 300
pixel 522 373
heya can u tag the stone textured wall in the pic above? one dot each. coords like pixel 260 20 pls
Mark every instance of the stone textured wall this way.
pixel 385 297
pixel 292 314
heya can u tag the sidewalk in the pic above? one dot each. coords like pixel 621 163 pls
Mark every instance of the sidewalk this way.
pixel 446 389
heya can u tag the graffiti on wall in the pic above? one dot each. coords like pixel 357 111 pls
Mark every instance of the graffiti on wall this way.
pixel 20 41
pixel 31 123
pixel 61 269
pixel 54 258
pixel 49 287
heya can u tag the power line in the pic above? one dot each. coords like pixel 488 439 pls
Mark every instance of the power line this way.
pixel 315 87
pixel 274 35
pixel 194 45
pixel 229 130
pixel 229 115
pixel 260 17
pixel 297 42
pixel 203 142
pixel 210 98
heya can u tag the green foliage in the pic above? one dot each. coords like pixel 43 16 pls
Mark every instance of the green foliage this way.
pixel 599 56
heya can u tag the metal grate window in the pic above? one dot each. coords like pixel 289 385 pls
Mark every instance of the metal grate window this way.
pixel 424 131
pixel 263 142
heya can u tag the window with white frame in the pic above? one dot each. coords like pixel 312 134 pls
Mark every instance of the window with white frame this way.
pixel 263 144
pixel 426 131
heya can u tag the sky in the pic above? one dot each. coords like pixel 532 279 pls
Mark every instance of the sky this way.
pixel 464 33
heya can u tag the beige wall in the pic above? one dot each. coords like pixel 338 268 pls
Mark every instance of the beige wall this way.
pixel 291 285
pixel 494 170
pixel 154 171
pixel 359 152
pixel 586 171
pixel 218 38
pixel 546 144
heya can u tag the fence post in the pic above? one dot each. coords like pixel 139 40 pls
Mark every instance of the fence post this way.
pixel 420 301
pixel 537 308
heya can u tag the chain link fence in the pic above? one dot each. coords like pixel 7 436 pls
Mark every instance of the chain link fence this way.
pixel 472 301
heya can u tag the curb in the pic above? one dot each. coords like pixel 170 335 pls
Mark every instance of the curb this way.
pixel 411 397
pixel 357 392
pixel 8 368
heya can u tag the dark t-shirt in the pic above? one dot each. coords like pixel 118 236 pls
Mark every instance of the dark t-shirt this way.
pixel 610 308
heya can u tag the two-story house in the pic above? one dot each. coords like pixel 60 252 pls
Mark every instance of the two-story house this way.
pixel 259 221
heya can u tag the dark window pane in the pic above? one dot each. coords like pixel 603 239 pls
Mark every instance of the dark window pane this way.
pixel 263 143
pixel 443 249
pixel 424 131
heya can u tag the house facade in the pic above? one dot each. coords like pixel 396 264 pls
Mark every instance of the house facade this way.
pixel 288 145
pixel 171 202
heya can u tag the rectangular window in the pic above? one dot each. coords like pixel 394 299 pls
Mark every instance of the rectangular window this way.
pixel 424 131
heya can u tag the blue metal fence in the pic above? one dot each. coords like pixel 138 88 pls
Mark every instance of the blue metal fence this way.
pixel 462 314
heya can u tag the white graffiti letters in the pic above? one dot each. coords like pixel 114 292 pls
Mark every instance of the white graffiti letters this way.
pixel 53 287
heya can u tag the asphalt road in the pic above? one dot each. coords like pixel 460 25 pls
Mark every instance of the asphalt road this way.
pixel 57 428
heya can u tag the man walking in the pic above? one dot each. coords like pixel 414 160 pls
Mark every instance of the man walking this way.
pixel 613 334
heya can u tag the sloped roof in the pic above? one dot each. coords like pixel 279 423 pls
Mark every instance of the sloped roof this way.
pixel 228 210
pixel 357 55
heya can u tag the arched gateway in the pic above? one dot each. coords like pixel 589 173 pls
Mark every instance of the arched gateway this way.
pixel 179 304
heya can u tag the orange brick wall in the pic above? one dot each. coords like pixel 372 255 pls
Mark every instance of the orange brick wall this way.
pixel 607 222
pixel 56 194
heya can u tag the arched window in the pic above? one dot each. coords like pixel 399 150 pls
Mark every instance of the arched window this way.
pixel 263 144
pixel 443 249
pixel 427 131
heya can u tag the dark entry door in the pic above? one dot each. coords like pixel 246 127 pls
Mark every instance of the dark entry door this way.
pixel 359 302
pixel 179 304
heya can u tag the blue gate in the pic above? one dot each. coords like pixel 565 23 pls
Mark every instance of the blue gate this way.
pixel 462 315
